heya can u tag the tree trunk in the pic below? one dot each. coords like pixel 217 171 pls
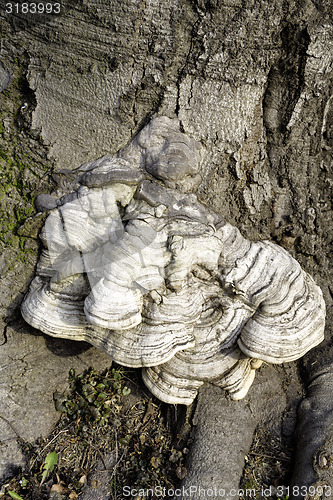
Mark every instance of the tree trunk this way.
pixel 250 80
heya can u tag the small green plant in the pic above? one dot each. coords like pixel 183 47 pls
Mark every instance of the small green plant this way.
pixel 15 495
pixel 92 397
pixel 50 461
pixel 24 482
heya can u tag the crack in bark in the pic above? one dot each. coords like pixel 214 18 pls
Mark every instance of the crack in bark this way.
pixel 4 335
pixel 182 71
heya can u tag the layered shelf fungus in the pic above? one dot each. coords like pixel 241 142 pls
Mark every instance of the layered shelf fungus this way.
pixel 134 264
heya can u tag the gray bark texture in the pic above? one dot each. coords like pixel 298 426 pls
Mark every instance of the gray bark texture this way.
pixel 252 82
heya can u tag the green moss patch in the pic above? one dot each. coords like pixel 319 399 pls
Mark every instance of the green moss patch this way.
pixel 23 163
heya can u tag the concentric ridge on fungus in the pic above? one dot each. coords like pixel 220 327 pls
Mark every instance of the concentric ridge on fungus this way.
pixel 134 264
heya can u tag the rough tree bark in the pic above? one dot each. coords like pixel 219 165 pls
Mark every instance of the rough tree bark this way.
pixel 252 81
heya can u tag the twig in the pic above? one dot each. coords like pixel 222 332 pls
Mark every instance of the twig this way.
pixel 41 451
pixel 269 456
pixel 102 458
pixel 53 439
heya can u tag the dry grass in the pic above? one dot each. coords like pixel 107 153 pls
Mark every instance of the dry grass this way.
pixel 267 465
pixel 108 422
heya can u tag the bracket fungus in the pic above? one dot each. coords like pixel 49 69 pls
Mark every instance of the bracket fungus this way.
pixel 134 264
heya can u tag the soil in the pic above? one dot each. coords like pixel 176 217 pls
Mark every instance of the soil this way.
pixel 113 437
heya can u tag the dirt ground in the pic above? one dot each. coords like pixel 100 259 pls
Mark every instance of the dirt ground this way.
pixel 113 434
